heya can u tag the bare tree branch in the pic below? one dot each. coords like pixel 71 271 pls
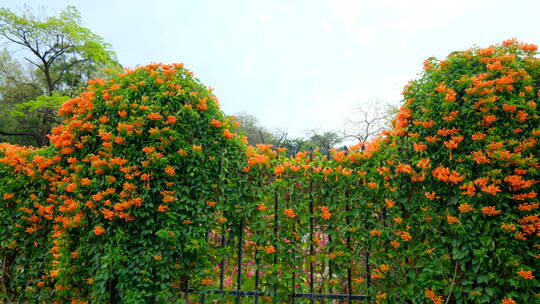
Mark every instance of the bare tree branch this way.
pixel 369 120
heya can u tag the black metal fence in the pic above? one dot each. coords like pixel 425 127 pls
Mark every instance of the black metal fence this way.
pixel 231 288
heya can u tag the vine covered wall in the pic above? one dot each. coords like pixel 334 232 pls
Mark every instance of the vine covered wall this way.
pixel 146 174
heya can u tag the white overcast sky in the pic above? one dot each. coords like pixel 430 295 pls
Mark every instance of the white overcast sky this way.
pixel 299 64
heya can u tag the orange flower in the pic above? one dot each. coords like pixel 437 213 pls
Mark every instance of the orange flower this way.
pixel 171 120
pixel 491 189
pixel 197 148
pixel 389 203
pixel 395 244
pixel 478 136
pixel 430 294
pixel 98 230
pixel 431 195
pixel 206 281
pixel 405 236
pixel 170 171
pixel 346 171
pixel 157 257
pixel 325 212
pixel 163 208
pixel 528 206
pixel 375 232
pixel 490 210
pixel 508 227
pixel 269 249
pixel 526 274
pixel 148 150
pixel 227 134
pixel 464 208
pixel 507 301
pixel 509 108
pixel 211 204
pixel 419 147
pixel 447 176
pixel 516 182
pixel 441 87
pixel 278 170
pixel 450 95
pixel 118 140
pixel 479 157
pixel 424 163
pixel 432 139
pixel 403 168
pixel 452 219
pixel 528 47
pixel 154 116
pixel 289 213
pixel 182 152
pixel 8 196
pixel 216 123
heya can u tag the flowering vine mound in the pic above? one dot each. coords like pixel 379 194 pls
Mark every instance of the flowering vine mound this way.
pixel 146 178
pixel 117 208
pixel 464 166
pixel 446 200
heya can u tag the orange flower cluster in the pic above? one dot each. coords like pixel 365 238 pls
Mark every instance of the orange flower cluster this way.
pixel 490 210
pixel 446 175
pixel 526 274
pixel 430 294
pixel 289 213
pixel 325 212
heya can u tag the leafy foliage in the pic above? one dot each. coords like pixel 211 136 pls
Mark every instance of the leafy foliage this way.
pixel 442 207
pixel 118 208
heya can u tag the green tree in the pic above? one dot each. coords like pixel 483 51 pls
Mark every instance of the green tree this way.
pixel 61 55
pixel 256 134
pixel 16 86
pixel 324 140
pixel 56 45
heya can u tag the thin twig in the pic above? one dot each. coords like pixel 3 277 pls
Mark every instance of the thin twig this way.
pixel 452 285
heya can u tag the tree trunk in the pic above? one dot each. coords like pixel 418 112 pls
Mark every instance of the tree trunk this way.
pixel 50 85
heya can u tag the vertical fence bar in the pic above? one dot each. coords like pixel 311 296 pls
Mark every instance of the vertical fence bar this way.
pixel 203 298
pixel 293 241
pixel 311 237
pixel 276 235
pixel 330 270
pixel 311 269
pixel 368 275
pixel 257 269
pixel 203 295
pixel 186 288
pixel 349 270
pixel 222 266
pixel 239 264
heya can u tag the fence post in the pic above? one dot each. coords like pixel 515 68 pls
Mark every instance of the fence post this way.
pixel 239 264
